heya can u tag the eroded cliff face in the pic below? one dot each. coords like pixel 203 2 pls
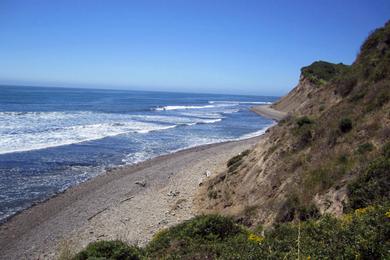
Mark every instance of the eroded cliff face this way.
pixel 302 166
pixel 297 98
pixel 259 190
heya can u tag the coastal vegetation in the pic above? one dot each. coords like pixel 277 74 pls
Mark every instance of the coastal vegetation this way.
pixel 361 234
pixel 320 72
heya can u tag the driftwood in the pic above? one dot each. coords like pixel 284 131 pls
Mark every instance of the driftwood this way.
pixel 129 198
pixel 97 213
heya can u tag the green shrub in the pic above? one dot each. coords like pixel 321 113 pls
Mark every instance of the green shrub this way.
pixel 364 148
pixel 304 120
pixel 236 161
pixel 308 212
pixel 372 186
pixel 360 235
pixel 109 250
pixel 201 237
pixel 345 125
pixel 320 72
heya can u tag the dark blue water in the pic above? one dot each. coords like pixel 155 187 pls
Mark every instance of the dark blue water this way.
pixel 54 138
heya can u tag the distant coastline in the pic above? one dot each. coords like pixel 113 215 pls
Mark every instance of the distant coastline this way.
pixel 268 112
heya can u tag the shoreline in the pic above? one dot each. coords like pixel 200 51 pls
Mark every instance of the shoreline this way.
pixel 268 112
pixel 38 230
pixel 125 166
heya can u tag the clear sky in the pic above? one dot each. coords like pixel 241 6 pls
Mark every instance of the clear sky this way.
pixel 242 47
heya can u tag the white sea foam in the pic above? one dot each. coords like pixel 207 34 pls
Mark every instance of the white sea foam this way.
pixel 190 119
pixel 167 108
pixel 240 102
pixel 256 133
pixel 182 107
pixel 38 130
pixel 70 135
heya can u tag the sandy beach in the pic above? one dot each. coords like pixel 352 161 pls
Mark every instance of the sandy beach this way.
pixel 268 112
pixel 129 203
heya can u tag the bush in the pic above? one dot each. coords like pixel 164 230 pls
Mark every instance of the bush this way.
pixel 109 250
pixel 320 72
pixel 372 186
pixel 345 125
pixel 364 148
pixel 205 236
pixel 304 120
pixel 360 235
pixel 236 161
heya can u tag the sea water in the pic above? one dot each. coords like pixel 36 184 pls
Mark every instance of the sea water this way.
pixel 54 138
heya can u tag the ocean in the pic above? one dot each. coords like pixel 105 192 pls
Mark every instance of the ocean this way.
pixel 54 138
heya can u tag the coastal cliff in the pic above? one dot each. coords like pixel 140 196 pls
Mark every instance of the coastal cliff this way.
pixel 338 123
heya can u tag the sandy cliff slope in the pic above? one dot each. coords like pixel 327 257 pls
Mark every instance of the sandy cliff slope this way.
pixel 338 122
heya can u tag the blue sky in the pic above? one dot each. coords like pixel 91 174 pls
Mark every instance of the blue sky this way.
pixel 242 47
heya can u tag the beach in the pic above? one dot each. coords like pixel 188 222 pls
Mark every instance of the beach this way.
pixel 129 203
pixel 268 112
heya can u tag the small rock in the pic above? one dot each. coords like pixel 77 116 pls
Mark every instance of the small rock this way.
pixel 163 222
pixel 140 183
pixel 173 193
pixel 208 173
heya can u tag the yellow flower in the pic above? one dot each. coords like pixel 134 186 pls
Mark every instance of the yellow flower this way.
pixel 308 258
pixel 363 211
pixel 255 238
pixel 387 214
pixel 346 219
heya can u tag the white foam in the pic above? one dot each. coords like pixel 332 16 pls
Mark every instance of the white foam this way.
pixel 178 119
pixel 10 143
pixel 256 133
pixel 38 130
pixel 182 107
pixel 241 102
pixel 137 157
pixel 167 108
